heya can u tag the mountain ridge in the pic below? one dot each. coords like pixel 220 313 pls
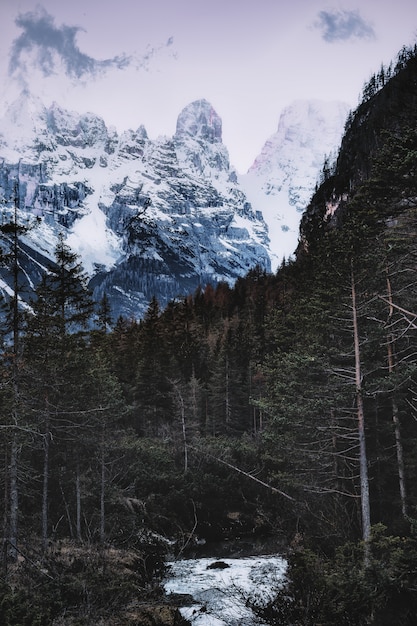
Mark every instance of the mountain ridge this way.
pixel 148 217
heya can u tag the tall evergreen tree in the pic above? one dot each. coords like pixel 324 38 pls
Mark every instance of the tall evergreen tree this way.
pixel 153 390
pixel 11 230
pixel 55 363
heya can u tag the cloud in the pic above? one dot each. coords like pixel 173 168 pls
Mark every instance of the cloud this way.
pixel 51 48
pixel 343 25
pixel 143 61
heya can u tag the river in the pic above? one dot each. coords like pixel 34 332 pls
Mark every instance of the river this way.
pixel 220 587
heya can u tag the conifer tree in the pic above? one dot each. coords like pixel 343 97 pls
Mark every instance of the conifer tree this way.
pixel 153 391
pixel 55 381
pixel 106 411
pixel 11 231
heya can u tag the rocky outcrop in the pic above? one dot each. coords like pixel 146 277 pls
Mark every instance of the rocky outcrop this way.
pixel 199 121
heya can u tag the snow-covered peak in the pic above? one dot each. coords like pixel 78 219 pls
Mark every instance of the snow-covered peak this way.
pixel 163 216
pixel 131 143
pixel 27 108
pixel 141 133
pixel 282 178
pixel 148 217
pixel 312 127
pixel 24 122
pixel 71 128
pixel 200 121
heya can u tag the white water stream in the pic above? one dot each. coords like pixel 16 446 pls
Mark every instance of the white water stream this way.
pixel 219 595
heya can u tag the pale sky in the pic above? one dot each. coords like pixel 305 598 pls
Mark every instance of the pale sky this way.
pixel 141 61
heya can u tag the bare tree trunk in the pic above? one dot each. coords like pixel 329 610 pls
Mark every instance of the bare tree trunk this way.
pixel 45 486
pixel 78 499
pixel 228 409
pixel 395 412
pixel 363 461
pixel 334 449
pixel 14 498
pixel 183 425
pixel 5 507
pixel 254 478
pixel 184 436
pixel 67 510
pixel 400 457
pixel 102 491
pixel 14 453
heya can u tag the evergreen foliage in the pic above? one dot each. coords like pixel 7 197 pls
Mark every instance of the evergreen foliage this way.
pixel 338 591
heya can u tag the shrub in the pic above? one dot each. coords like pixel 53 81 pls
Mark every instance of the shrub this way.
pixel 343 591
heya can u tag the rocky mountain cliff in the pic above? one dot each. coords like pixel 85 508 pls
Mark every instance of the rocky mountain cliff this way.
pixel 283 177
pixel 147 217
pixel 157 217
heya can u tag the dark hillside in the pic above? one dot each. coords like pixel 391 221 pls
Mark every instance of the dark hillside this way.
pixel 390 106
pixel 388 110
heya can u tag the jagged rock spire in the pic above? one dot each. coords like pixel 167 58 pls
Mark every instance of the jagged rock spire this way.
pixel 200 120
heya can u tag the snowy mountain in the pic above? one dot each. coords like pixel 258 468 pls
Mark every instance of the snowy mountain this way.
pixel 157 216
pixel 282 178
pixel 147 217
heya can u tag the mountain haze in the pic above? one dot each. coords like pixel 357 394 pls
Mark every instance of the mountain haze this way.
pixel 284 175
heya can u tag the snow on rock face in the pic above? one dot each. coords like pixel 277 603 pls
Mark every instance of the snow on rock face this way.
pixel 70 129
pixel 282 178
pixel 161 216
pixel 147 217
pixel 307 129
pixel 23 128
pixel 200 121
pixel 132 143
pixel 183 222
